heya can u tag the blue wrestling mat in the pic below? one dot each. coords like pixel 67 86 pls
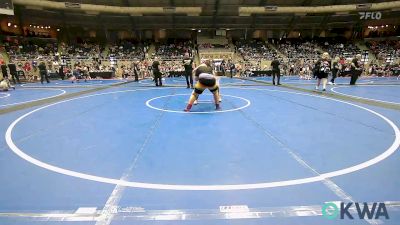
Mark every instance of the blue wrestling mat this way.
pixel 130 155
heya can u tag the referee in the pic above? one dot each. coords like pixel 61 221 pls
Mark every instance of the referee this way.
pixel 276 71
pixel 156 72
pixel 188 65
pixel 356 69
pixel 43 72
pixel 13 71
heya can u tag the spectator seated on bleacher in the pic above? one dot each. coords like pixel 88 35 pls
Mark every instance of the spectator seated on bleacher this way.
pixel 255 50
pixel 175 50
pixel 387 51
pixel 129 50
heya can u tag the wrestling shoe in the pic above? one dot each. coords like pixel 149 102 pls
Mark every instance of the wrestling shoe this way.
pixel 188 108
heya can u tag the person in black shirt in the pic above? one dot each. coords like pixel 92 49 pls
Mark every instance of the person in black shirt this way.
pixel 13 71
pixel 61 72
pixel 335 69
pixel 136 70
pixel 276 71
pixel 4 71
pixel 222 66
pixel 356 69
pixel 156 72
pixel 188 65
pixel 43 72
pixel 231 68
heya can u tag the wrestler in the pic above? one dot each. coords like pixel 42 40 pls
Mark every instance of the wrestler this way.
pixel 204 81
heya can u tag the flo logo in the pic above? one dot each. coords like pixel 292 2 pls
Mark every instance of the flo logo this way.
pixel 332 211
pixel 370 15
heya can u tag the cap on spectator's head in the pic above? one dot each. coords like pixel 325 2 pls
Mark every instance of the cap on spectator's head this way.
pixel 325 55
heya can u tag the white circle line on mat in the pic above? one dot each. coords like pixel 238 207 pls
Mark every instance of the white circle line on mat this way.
pixel 17 103
pixel 248 103
pixel 216 187
pixel 5 95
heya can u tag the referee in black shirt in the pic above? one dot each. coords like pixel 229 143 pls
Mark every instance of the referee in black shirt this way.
pixel 4 71
pixel 156 72
pixel 356 69
pixel 43 72
pixel 188 64
pixel 13 71
pixel 276 71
